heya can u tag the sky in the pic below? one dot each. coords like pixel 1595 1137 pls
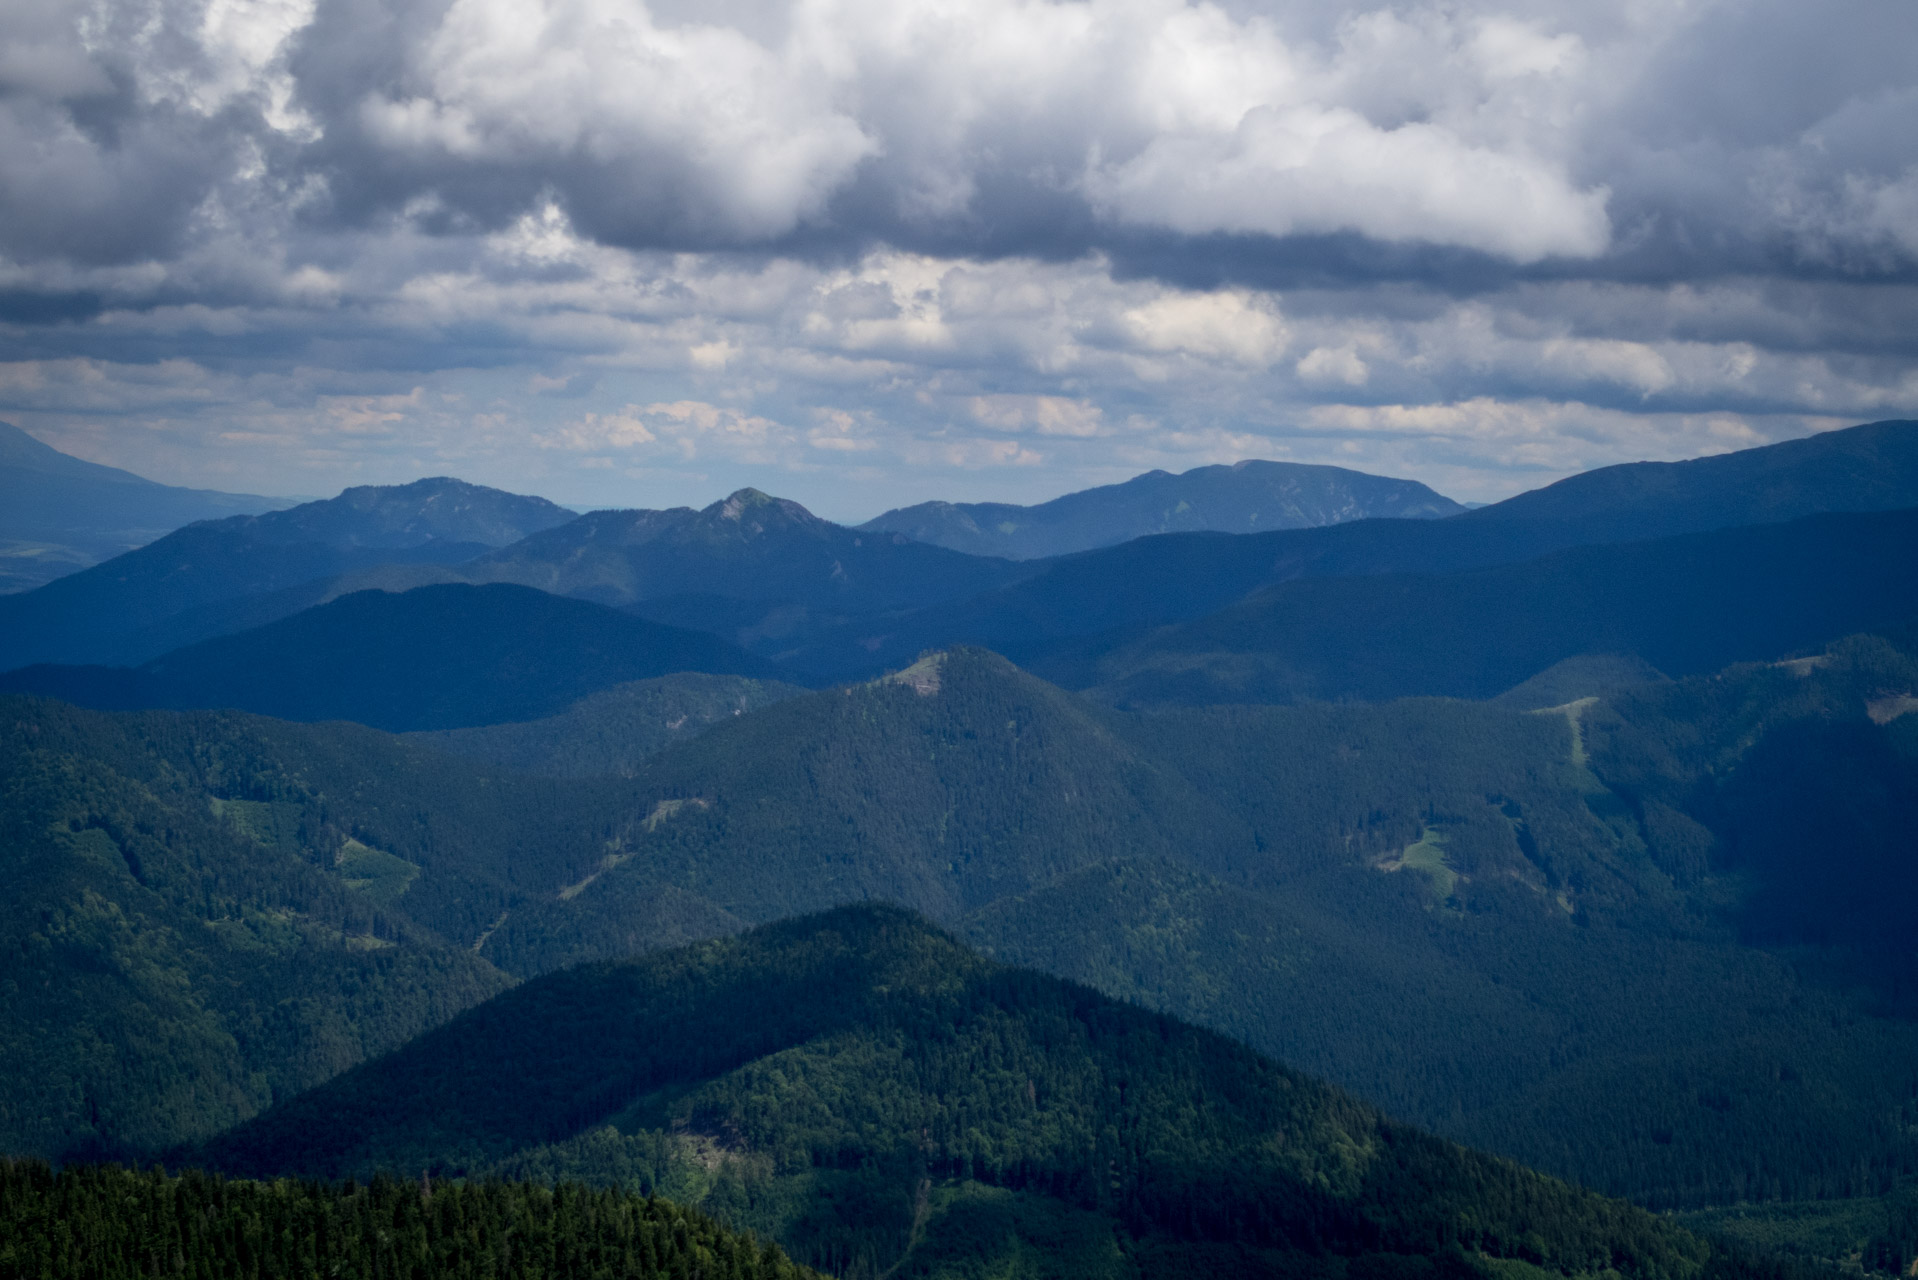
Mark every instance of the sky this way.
pixel 863 253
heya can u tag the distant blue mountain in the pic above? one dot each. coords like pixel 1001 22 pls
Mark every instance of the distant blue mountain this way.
pixel 1097 600
pixel 1245 497
pixel 59 514
pixel 221 576
pixel 1684 605
pixel 438 657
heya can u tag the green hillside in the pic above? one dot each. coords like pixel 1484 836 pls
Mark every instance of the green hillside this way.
pixel 1605 938
pixel 169 971
pixel 758 570
pixel 113 1224
pixel 1878 1233
pixel 203 911
pixel 946 787
pixel 884 1102
pixel 613 730
pixel 1633 971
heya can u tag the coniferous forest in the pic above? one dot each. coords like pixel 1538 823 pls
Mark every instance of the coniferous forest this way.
pixel 105 1223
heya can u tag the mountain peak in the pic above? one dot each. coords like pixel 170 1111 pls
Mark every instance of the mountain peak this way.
pixel 758 507
pixel 739 499
pixel 433 509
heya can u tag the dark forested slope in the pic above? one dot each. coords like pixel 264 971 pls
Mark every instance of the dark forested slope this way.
pixel 172 964
pixel 436 657
pixel 883 1099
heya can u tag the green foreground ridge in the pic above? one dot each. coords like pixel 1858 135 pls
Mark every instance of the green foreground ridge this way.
pixel 884 1102
pixel 103 1223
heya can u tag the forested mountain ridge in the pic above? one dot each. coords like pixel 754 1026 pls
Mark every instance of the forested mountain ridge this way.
pixel 753 568
pixel 830 602
pixel 614 730
pixel 225 575
pixel 1873 467
pixel 749 546
pixel 942 788
pixel 1243 497
pixel 435 657
pixel 59 513
pixel 876 1095
pixel 1685 605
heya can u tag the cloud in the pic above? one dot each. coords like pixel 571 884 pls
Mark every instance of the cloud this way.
pixel 616 248
pixel 1229 324
pixel 695 127
pixel 682 430
pixel 1041 415
pixel 1281 172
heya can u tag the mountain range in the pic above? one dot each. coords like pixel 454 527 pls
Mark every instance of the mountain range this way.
pixel 1075 607
pixel 1465 605
pixel 1573 829
pixel 1245 497
pixel 59 513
